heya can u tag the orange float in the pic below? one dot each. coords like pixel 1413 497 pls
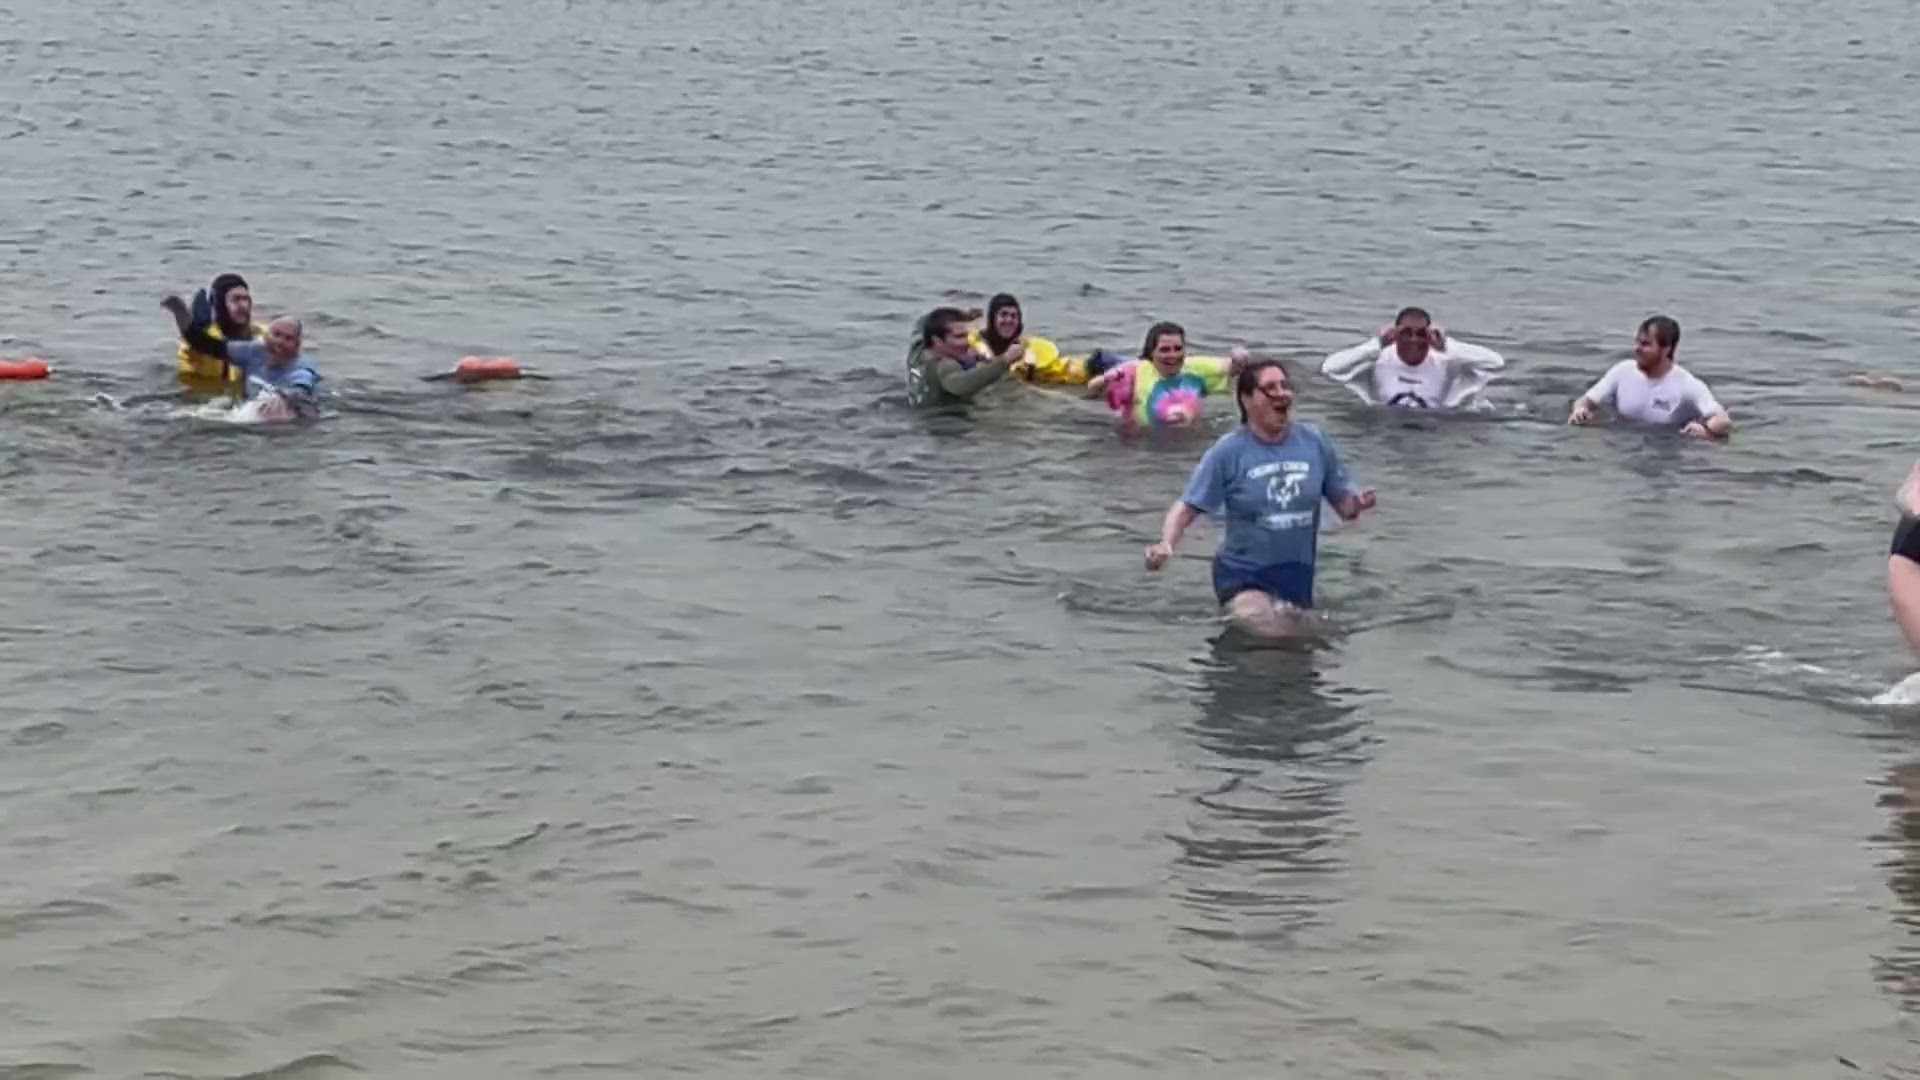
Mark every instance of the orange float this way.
pixel 23 370
pixel 473 369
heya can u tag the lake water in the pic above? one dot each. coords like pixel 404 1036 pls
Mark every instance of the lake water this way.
pixel 705 711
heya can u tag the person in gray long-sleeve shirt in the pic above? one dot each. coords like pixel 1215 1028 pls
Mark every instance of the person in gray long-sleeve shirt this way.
pixel 942 369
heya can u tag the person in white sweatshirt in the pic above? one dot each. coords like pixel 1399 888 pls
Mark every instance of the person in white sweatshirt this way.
pixel 1652 389
pixel 1413 364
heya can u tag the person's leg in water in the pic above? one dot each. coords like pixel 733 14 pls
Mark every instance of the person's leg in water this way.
pixel 1271 602
pixel 1264 616
pixel 1903 593
pixel 1903 562
pixel 1903 581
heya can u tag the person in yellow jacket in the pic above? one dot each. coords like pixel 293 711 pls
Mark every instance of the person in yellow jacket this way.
pixel 1042 362
pixel 231 320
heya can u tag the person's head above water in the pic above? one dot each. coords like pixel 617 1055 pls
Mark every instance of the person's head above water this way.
pixel 283 339
pixel 1165 348
pixel 1413 334
pixel 1654 344
pixel 1004 323
pixel 1265 395
pixel 232 306
pixel 945 333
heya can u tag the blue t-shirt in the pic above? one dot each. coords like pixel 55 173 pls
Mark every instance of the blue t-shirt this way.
pixel 253 360
pixel 1269 494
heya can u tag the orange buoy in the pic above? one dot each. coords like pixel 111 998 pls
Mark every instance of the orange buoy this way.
pixel 485 369
pixel 21 370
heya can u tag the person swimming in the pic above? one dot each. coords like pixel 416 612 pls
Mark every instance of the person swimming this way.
pixel 1163 386
pixel 1005 325
pixel 275 364
pixel 1653 389
pixel 1413 364
pixel 1267 477
pixel 1040 360
pixel 230 318
pixel 943 369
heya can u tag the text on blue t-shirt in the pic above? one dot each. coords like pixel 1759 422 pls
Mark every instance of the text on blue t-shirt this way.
pixel 1269 493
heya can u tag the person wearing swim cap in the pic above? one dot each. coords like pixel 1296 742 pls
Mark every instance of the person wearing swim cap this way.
pixel 1040 361
pixel 1267 478
pixel 274 364
pixel 1653 389
pixel 1414 364
pixel 1005 325
pixel 943 369
pixel 230 318
pixel 1164 387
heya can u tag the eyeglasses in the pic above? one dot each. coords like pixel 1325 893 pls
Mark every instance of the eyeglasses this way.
pixel 1272 389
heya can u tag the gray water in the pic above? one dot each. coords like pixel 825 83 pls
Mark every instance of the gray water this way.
pixel 705 711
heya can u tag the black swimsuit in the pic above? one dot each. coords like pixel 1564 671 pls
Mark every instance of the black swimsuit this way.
pixel 1906 540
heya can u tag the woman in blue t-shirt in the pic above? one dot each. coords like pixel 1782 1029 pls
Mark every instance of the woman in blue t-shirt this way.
pixel 1266 477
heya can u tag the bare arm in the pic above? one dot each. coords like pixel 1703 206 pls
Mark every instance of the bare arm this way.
pixel 1097 386
pixel 1352 506
pixel 1172 527
pixel 1714 420
pixel 1906 498
pixel 1586 408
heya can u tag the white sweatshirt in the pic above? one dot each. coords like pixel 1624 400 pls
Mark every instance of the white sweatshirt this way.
pixel 1444 380
pixel 1673 400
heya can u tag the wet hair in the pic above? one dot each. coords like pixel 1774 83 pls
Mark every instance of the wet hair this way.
pixel 991 335
pixel 1156 332
pixel 1248 382
pixel 1666 332
pixel 1413 313
pixel 939 321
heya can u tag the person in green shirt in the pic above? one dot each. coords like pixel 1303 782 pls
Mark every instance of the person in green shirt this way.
pixel 942 369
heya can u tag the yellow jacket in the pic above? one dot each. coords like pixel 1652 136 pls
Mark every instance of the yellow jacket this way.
pixel 198 367
pixel 1042 362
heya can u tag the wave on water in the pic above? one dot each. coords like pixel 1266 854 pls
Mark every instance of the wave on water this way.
pixel 1903 694
pixel 1815 682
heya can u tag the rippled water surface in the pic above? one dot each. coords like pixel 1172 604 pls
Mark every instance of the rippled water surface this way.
pixel 704 711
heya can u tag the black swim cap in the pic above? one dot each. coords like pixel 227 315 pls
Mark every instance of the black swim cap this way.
pixel 991 332
pixel 221 286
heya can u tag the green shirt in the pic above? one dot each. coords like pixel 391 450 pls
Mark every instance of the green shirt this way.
pixel 933 379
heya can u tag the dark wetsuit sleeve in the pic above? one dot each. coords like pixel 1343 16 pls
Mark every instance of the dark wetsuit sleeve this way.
pixel 203 342
pixel 1906 540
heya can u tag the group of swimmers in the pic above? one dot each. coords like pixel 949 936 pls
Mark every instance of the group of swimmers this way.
pixel 222 348
pixel 1268 477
